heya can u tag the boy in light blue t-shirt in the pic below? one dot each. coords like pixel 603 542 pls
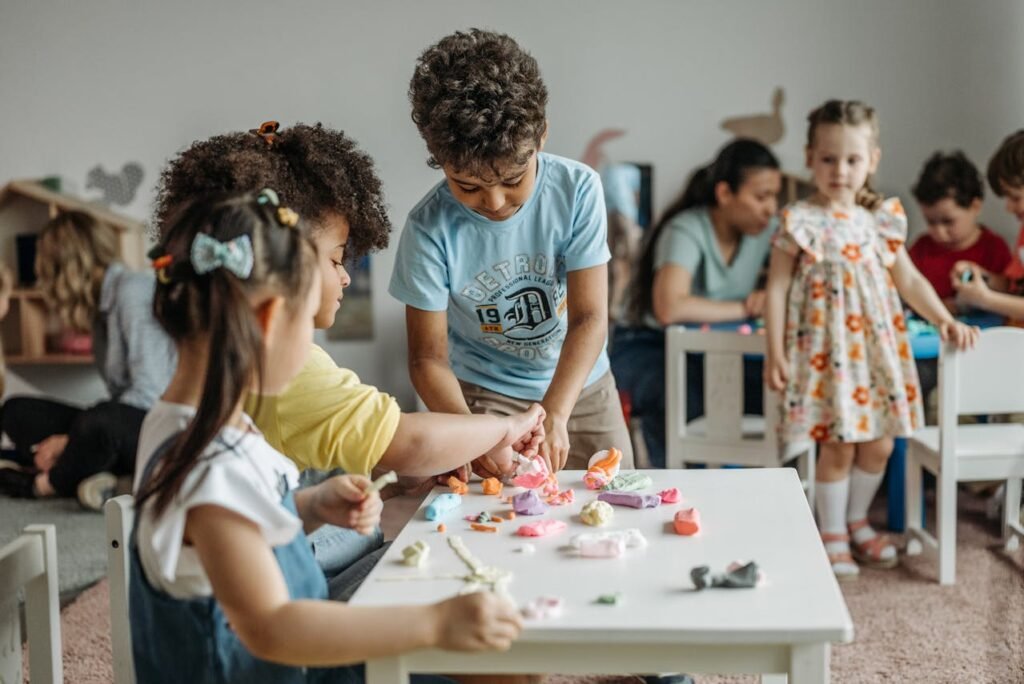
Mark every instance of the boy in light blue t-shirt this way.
pixel 503 265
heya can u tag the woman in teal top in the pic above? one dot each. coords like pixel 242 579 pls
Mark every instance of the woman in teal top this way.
pixel 700 264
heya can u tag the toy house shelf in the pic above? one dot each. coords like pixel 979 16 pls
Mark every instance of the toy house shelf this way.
pixel 25 333
pixel 30 332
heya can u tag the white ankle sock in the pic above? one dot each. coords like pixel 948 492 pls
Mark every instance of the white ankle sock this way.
pixel 863 487
pixel 831 502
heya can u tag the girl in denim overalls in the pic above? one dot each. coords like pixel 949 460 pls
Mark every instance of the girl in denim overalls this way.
pixel 224 587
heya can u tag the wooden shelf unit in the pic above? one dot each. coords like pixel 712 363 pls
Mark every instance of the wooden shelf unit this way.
pixel 30 330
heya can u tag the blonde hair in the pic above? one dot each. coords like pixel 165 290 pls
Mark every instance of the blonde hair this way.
pixel 848 113
pixel 74 251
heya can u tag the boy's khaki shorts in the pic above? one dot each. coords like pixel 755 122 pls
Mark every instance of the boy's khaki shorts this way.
pixel 596 422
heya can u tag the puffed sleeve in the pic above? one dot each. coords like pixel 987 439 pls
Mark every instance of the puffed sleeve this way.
pixel 798 231
pixel 891 221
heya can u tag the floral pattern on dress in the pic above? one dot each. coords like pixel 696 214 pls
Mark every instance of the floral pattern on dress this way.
pixel 851 372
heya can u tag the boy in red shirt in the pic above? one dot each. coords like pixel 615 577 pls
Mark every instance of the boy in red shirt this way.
pixel 949 192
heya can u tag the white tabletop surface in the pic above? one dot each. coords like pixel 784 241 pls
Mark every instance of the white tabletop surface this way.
pixel 748 514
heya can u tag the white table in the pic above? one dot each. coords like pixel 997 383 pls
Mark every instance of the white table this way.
pixel 662 624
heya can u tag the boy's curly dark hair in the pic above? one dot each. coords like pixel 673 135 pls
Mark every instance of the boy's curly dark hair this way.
pixel 1006 168
pixel 478 100
pixel 949 175
pixel 315 170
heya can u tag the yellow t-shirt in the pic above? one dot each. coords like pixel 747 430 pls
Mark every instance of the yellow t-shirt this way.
pixel 327 419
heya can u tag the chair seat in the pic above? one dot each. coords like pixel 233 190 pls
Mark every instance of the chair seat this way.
pixel 982 451
pixel 751 427
pixel 752 430
pixel 992 440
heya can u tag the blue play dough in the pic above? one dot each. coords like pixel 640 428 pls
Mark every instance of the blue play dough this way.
pixel 442 504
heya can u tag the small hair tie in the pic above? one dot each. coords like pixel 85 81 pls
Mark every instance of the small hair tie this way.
pixel 235 255
pixel 287 217
pixel 268 196
pixel 160 265
pixel 267 131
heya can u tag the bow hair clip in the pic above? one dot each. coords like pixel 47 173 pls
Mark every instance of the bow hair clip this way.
pixel 235 255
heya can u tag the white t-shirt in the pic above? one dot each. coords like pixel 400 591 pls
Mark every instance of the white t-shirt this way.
pixel 238 471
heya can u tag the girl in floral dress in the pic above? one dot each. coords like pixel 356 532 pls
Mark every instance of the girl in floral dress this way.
pixel 837 341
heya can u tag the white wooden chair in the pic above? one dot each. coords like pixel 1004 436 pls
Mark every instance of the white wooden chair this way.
pixel 724 435
pixel 30 563
pixel 119 514
pixel 986 380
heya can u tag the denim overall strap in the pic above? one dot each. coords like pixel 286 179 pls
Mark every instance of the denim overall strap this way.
pixel 190 640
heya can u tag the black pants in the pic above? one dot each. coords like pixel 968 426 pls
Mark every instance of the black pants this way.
pixel 101 438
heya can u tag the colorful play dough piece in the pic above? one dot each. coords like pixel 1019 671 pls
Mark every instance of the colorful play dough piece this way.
pixel 602 467
pixel 631 538
pixel 669 496
pixel 736 576
pixel 492 486
pixel 541 528
pixel 528 503
pixel 378 484
pixel 543 608
pixel 442 504
pixel 479 527
pixel 415 555
pixel 532 473
pixel 744 329
pixel 629 482
pixel 609 599
pixel 631 499
pixel 597 513
pixel 609 547
pixel 562 498
pixel 457 486
pixel 687 521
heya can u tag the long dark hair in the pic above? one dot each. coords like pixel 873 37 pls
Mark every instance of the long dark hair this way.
pixel 217 304
pixel 731 166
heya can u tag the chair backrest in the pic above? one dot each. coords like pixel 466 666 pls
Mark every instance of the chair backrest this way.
pixel 721 429
pixel 988 379
pixel 30 563
pixel 119 513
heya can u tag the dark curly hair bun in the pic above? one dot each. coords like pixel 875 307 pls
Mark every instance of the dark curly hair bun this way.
pixel 317 171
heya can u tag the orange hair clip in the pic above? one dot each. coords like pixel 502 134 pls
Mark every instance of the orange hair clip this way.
pixel 267 131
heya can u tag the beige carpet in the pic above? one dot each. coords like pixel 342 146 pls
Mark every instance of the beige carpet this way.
pixel 908 628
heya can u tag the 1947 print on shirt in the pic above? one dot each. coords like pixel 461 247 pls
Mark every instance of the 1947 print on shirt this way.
pixel 519 304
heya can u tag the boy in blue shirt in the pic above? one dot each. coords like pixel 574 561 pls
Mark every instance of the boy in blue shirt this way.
pixel 503 265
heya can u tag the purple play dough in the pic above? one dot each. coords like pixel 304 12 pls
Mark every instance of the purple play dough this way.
pixel 631 499
pixel 528 503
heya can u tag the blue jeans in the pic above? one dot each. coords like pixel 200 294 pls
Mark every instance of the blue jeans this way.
pixel 638 363
pixel 344 555
pixel 337 548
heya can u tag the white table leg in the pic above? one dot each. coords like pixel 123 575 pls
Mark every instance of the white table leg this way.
pixel 809 664
pixel 387 671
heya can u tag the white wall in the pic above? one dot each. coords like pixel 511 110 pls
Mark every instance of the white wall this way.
pixel 107 82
